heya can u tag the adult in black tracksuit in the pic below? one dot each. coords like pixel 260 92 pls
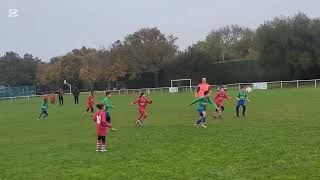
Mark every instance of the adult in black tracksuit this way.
pixel 60 95
pixel 76 93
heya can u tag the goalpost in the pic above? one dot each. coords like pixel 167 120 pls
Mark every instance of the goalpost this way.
pixel 188 83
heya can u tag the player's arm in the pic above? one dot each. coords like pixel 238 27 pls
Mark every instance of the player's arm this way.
pixel 227 97
pixel 149 101
pixel 134 102
pixel 194 101
pixel 110 106
pixel 238 97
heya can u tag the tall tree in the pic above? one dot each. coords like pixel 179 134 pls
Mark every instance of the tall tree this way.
pixel 148 50
pixel 16 70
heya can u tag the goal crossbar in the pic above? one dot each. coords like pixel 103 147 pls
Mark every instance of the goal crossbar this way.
pixel 178 80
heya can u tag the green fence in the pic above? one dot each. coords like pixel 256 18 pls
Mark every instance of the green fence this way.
pixel 6 91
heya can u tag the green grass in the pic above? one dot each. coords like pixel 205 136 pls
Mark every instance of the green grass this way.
pixel 279 139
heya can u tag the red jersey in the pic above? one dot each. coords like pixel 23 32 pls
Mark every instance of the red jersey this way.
pixel 101 123
pixel 202 88
pixel 53 98
pixel 142 102
pixel 90 101
pixel 220 96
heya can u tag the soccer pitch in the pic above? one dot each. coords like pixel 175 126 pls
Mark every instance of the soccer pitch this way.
pixel 279 139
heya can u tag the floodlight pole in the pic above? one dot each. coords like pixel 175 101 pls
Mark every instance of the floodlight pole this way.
pixel 65 82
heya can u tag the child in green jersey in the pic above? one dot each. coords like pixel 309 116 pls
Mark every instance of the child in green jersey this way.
pixel 108 106
pixel 242 101
pixel 44 109
pixel 202 103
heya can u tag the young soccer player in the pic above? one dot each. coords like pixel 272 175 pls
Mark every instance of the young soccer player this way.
pixel 101 128
pixel 52 98
pixel 90 103
pixel 142 102
pixel 202 103
pixel 107 107
pixel 60 96
pixel 44 109
pixel 242 101
pixel 202 87
pixel 46 97
pixel 218 99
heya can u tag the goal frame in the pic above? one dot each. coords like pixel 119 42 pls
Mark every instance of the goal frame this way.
pixel 178 80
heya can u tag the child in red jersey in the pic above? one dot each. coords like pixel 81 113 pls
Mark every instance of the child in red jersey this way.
pixel 90 103
pixel 52 98
pixel 101 127
pixel 142 102
pixel 218 99
pixel 45 97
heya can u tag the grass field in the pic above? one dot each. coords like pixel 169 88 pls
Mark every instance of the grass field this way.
pixel 279 139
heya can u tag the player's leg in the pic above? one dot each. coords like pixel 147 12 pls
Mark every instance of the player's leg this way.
pixel 204 118
pixel 98 143
pixel 103 144
pixel 45 114
pixel 85 113
pixel 215 114
pixel 221 111
pixel 62 101
pixel 143 115
pixel 200 111
pixel 91 110
pixel 244 108
pixel 217 111
pixel 108 118
pixel 140 117
pixel 40 115
pixel 237 108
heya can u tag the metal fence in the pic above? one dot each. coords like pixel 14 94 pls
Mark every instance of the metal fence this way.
pixel 236 86
pixel 9 92
pixel 313 83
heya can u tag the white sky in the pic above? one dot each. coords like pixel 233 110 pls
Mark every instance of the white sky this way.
pixel 48 28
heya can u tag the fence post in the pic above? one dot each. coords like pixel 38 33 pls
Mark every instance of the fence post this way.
pixel 281 84
pixel 315 83
pixel 297 83
pixel 161 90
pixel 239 86
pixel 119 92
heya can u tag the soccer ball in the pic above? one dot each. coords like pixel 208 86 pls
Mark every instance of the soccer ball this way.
pixel 249 89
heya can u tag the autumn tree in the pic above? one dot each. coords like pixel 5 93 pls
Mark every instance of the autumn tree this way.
pixel 147 51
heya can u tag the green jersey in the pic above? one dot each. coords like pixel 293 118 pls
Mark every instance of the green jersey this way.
pixel 242 95
pixel 203 101
pixel 107 104
pixel 44 106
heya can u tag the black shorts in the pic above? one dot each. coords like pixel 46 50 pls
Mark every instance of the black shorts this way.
pixel 91 109
pixel 108 117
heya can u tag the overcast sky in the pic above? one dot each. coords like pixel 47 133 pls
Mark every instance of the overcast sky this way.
pixel 48 28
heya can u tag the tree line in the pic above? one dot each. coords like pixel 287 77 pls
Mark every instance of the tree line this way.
pixel 280 49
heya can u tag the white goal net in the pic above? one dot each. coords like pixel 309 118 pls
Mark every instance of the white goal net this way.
pixel 181 85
